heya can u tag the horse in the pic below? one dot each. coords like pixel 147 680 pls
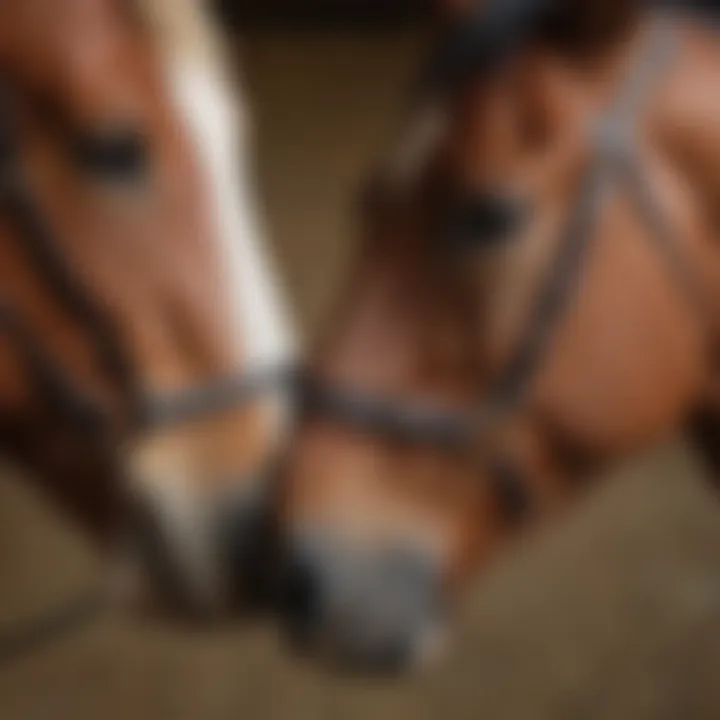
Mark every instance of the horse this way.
pixel 145 345
pixel 535 298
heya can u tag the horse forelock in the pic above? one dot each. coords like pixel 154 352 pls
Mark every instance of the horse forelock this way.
pixel 480 41
pixel 185 28
pixel 471 47
pixel 216 117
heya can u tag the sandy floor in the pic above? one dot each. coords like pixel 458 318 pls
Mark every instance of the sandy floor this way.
pixel 614 614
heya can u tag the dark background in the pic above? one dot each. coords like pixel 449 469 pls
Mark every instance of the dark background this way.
pixel 367 12
pixel 324 11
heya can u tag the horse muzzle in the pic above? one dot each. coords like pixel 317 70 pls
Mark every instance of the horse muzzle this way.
pixel 200 558
pixel 373 611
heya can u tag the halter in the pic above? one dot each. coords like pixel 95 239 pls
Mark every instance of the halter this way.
pixel 145 411
pixel 69 403
pixel 613 160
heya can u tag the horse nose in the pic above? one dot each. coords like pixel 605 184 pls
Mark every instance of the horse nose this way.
pixel 180 580
pixel 202 557
pixel 373 611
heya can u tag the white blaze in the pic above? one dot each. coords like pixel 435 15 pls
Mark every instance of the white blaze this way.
pixel 214 120
pixel 259 325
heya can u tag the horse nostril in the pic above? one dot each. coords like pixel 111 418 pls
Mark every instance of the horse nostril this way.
pixel 371 611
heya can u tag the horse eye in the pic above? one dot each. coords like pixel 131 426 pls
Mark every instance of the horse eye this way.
pixel 120 155
pixel 483 220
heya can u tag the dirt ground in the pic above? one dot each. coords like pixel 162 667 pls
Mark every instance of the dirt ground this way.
pixel 613 614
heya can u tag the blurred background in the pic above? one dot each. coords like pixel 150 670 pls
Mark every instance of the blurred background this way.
pixel 614 613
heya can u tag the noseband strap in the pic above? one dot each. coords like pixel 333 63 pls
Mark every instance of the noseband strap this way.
pixel 215 398
pixel 406 422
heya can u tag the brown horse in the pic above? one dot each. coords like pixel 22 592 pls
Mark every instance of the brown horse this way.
pixel 536 297
pixel 142 337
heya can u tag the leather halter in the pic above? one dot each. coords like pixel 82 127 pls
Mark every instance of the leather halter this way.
pixel 613 161
pixel 64 395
